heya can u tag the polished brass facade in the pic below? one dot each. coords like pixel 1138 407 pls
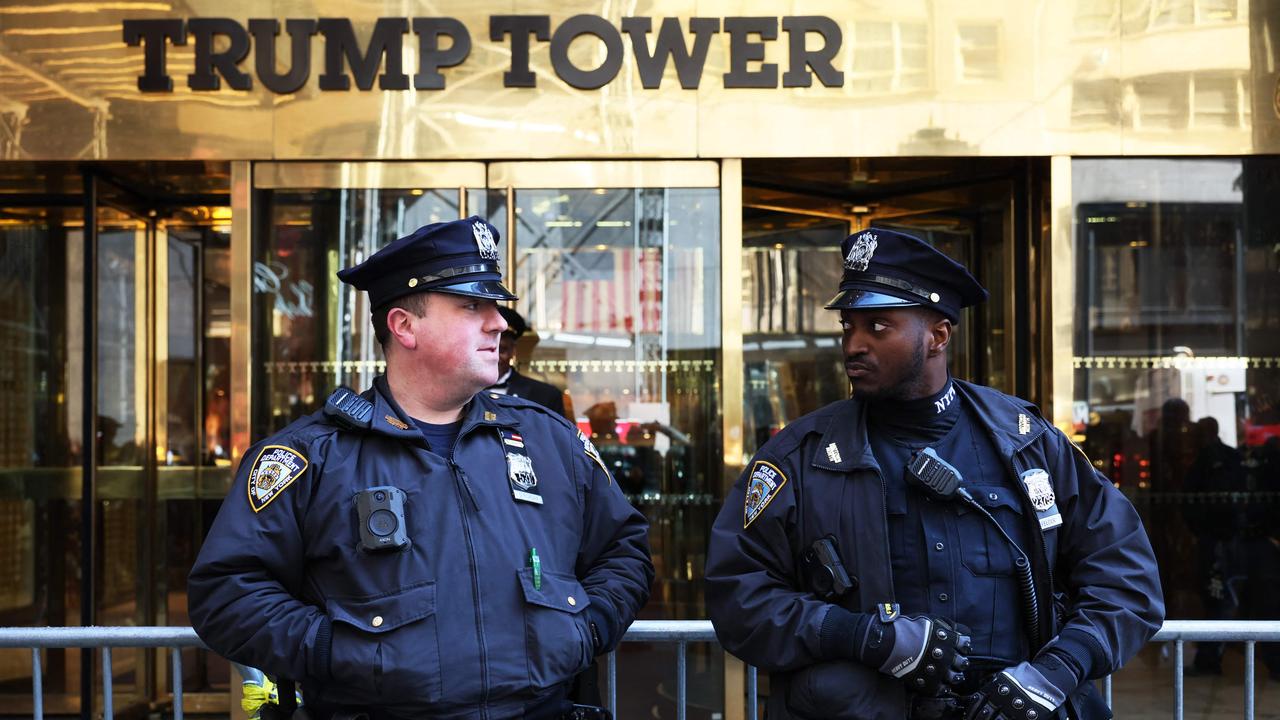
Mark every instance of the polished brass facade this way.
pixel 731 321
pixel 919 78
pixel 948 78
pixel 367 175
pixel 631 174
pixel 1061 293
pixel 241 307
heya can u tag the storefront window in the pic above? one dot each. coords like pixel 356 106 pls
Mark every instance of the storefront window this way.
pixel 1177 378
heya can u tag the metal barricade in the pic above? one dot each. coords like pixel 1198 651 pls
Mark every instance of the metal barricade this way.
pixel 679 632
pixel 106 638
pixel 1250 632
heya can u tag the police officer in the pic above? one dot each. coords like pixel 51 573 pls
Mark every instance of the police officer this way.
pixel 510 380
pixel 424 549
pixel 929 547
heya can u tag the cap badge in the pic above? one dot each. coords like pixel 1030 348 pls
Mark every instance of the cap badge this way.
pixel 484 240
pixel 860 254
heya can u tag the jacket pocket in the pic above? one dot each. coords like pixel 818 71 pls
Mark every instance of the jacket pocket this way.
pixel 983 550
pixel 556 632
pixel 388 643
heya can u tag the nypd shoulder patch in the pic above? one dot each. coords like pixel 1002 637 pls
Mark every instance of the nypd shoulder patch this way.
pixel 274 470
pixel 762 487
pixel 594 454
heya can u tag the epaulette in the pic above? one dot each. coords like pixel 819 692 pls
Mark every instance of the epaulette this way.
pixel 349 409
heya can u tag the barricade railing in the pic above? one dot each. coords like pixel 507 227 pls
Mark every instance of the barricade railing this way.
pixel 679 632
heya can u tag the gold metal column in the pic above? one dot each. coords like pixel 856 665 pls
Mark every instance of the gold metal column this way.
pixel 731 317
pixel 1061 293
pixel 731 374
pixel 512 257
pixel 241 308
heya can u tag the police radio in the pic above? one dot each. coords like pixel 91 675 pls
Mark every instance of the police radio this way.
pixel 381 513
pixel 938 478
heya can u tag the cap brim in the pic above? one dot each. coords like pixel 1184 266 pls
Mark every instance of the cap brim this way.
pixel 488 289
pixel 855 299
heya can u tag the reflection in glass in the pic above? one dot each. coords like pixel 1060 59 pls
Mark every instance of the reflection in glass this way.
pixel 311 332
pixel 621 287
pixel 40 331
pixel 194 470
pixel 1177 378
pixel 791 267
pixel 121 433
pixel 123 375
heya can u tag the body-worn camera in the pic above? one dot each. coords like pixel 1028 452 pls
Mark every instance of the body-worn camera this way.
pixel 381 514
pixel 823 570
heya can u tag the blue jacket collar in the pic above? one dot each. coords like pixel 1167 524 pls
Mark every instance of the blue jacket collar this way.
pixel 1013 424
pixel 485 409
pixel 844 446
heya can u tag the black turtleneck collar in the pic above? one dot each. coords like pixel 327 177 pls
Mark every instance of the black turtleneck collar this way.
pixel 916 422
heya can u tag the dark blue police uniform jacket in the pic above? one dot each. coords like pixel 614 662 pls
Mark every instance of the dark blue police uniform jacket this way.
pixel 1094 573
pixel 454 626
pixel 544 394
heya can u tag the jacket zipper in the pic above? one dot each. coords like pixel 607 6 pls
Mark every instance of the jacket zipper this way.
pixel 460 479
pixel 884 527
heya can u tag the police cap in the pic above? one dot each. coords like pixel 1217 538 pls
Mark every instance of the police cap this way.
pixel 886 268
pixel 459 257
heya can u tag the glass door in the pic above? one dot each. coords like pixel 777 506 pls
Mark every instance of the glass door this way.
pixel 41 354
pixel 162 419
pixel 797 212
pixel 103 320
pixel 192 425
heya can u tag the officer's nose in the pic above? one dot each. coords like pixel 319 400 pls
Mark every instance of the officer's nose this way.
pixel 854 341
pixel 494 322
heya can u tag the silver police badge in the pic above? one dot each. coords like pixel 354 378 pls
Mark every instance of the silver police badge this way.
pixel 484 240
pixel 1039 489
pixel 520 470
pixel 860 254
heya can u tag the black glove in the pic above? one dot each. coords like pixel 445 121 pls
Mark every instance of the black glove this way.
pixel 926 653
pixel 1021 692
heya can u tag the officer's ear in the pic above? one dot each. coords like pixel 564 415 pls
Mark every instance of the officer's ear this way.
pixel 939 333
pixel 400 328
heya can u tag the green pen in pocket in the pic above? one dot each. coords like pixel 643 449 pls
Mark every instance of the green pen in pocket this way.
pixel 536 564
